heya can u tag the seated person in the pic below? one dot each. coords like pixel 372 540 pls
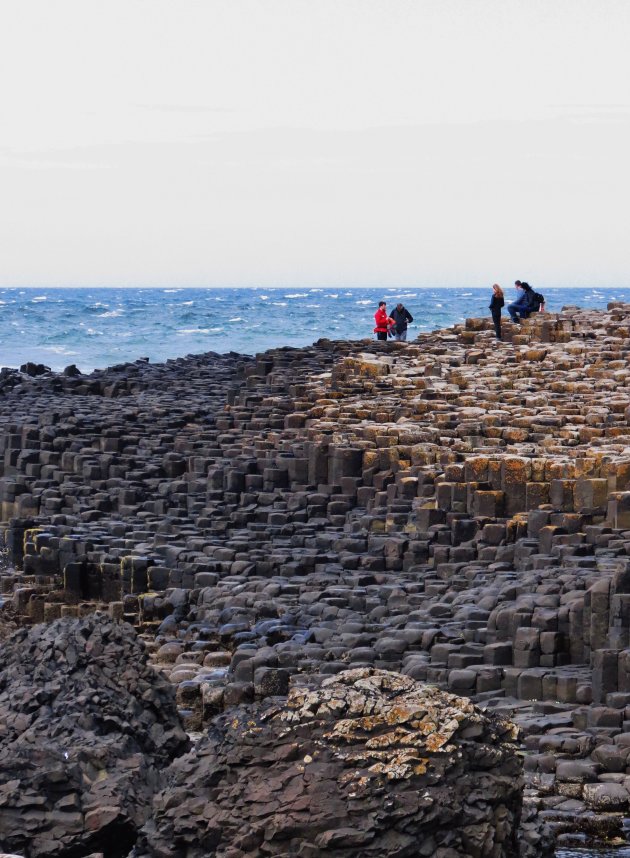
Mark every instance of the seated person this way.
pixel 521 308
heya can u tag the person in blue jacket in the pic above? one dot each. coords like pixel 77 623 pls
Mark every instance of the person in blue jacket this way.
pixel 521 308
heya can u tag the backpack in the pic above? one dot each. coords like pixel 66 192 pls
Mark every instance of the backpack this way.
pixel 536 301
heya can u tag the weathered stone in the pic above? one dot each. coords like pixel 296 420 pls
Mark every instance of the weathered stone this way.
pixel 332 754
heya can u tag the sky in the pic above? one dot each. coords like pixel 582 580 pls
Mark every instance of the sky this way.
pixel 314 142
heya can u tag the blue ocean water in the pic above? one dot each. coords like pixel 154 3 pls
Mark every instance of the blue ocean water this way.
pixel 100 327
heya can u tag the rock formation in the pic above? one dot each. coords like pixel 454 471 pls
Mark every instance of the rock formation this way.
pixel 369 763
pixel 454 509
pixel 87 726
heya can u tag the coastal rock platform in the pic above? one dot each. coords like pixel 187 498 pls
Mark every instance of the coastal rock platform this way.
pixel 454 509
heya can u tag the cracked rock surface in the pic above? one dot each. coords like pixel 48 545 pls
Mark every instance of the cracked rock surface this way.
pixel 367 763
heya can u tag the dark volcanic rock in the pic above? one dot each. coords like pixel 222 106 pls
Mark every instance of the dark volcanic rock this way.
pixel 370 763
pixel 86 727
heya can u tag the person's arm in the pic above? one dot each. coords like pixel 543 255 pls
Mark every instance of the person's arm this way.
pixel 409 316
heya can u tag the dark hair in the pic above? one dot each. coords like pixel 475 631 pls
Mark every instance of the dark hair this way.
pixel 381 304
pixel 526 287
pixel 517 283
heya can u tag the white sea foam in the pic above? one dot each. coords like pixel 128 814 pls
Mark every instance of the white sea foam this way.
pixel 111 314
pixel 187 303
pixel 199 330
pixel 169 291
pixel 363 302
pixel 279 303
pixel 39 298
pixel 235 319
pixel 92 332
pixel 264 297
pixel 297 295
pixel 59 350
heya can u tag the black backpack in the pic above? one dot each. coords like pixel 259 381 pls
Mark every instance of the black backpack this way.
pixel 537 299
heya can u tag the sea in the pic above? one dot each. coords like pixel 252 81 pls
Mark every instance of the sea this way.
pixel 96 328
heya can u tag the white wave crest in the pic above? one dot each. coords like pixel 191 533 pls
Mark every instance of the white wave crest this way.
pixel 59 350
pixel 199 330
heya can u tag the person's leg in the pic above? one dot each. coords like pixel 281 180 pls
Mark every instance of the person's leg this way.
pixel 403 336
pixel 381 335
pixel 513 310
pixel 496 318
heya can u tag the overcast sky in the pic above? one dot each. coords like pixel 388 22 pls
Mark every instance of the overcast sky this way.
pixel 314 142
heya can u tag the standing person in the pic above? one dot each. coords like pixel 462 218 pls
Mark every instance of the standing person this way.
pixel 496 302
pixel 383 321
pixel 401 317
pixel 521 308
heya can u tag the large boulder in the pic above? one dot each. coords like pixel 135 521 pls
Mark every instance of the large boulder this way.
pixel 368 763
pixel 86 726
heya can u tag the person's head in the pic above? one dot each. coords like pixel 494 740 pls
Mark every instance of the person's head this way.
pixel 497 290
pixel 381 304
pixel 518 284
pixel 399 306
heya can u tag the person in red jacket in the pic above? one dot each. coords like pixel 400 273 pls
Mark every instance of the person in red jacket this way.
pixel 383 321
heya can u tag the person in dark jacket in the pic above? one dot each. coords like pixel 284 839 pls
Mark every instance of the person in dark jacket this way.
pixel 496 302
pixel 401 317
pixel 521 308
